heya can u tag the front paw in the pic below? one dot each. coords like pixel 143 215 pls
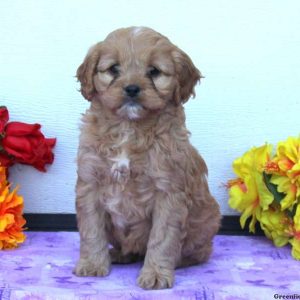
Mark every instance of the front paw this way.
pixel 86 267
pixel 151 278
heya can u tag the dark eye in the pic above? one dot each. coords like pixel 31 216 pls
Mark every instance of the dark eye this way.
pixel 153 72
pixel 114 70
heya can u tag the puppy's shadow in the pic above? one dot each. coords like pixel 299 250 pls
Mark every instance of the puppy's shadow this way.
pixel 117 258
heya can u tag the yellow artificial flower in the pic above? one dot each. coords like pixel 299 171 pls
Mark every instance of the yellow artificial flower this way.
pixel 288 158
pixel 248 193
pixel 276 225
pixel 290 190
pixel 11 219
pixel 3 181
pixel 295 241
pixel 295 248
pixel 285 168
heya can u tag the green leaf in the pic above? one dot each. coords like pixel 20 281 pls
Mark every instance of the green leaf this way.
pixel 292 213
pixel 273 188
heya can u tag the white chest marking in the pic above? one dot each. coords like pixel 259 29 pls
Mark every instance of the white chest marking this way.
pixel 120 161
pixel 120 167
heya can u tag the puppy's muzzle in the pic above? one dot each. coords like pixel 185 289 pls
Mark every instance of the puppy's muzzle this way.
pixel 131 107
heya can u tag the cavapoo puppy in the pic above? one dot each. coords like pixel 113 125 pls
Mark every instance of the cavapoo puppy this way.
pixel 142 187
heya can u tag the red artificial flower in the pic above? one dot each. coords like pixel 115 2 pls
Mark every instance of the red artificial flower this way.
pixel 6 160
pixel 3 117
pixel 27 145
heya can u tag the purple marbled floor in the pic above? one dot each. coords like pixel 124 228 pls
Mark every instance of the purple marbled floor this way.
pixel 240 268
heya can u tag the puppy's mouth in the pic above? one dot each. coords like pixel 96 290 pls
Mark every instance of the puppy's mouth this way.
pixel 131 109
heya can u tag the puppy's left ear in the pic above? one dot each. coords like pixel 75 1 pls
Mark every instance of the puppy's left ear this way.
pixel 187 76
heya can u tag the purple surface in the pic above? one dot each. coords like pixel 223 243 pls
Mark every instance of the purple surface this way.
pixel 240 268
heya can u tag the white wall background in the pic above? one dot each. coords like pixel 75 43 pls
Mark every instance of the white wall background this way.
pixel 249 52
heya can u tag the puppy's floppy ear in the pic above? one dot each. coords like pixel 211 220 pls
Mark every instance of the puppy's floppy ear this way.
pixel 187 76
pixel 87 70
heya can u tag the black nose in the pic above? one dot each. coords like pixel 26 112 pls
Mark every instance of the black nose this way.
pixel 132 90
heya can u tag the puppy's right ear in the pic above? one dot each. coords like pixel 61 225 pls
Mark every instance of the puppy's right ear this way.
pixel 86 72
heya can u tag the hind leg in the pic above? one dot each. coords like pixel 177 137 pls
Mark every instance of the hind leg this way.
pixel 203 225
pixel 200 255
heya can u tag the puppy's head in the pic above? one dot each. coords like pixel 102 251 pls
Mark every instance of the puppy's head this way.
pixel 136 72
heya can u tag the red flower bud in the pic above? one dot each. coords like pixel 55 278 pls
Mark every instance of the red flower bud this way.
pixel 27 144
pixel 5 160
